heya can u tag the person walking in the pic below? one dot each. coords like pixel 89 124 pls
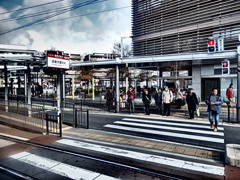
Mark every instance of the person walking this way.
pixel 130 99
pixel 167 97
pixel 192 103
pixel 230 94
pixel 122 98
pixel 147 102
pixel 158 101
pixel 214 102
pixel 179 97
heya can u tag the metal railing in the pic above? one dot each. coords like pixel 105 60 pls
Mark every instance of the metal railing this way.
pixel 54 124
pixel 82 118
pixel 29 116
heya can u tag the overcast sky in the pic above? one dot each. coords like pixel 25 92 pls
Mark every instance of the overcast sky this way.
pixel 81 34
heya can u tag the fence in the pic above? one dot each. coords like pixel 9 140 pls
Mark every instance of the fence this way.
pixel 29 116
pixel 54 124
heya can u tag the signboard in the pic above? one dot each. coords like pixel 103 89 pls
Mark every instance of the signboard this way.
pixel 57 61
pixel 166 74
pixel 183 73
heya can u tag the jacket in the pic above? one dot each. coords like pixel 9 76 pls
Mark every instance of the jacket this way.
pixel 218 103
pixel 131 95
pixel 192 101
pixel 167 96
pixel 229 93
pixel 147 99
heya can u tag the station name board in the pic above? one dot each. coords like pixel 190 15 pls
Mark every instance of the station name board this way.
pixel 57 61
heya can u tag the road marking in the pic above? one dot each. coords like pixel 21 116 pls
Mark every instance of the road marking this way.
pixel 4 143
pixel 172 134
pixel 171 128
pixel 184 124
pixel 16 137
pixel 185 165
pixel 58 167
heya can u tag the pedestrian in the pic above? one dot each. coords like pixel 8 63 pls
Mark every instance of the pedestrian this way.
pixel 214 102
pixel 109 98
pixel 230 94
pixel 158 100
pixel 122 99
pixel 147 102
pixel 130 99
pixel 33 90
pixel 179 97
pixel 192 103
pixel 167 97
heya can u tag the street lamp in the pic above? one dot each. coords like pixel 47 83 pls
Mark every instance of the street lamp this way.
pixel 122 37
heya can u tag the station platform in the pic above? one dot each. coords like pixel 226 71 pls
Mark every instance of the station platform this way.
pixel 182 159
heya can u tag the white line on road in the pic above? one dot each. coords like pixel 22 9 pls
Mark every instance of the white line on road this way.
pixel 59 168
pixel 184 124
pixel 176 163
pixel 172 128
pixel 16 137
pixel 164 133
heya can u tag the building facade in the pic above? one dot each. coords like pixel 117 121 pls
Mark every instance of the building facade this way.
pixel 165 27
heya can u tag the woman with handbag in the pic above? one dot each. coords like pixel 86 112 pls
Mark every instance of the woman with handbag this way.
pixel 192 102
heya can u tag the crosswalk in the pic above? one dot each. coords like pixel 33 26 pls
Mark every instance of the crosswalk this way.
pixel 191 132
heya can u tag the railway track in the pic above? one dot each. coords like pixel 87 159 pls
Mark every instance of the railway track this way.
pixel 138 171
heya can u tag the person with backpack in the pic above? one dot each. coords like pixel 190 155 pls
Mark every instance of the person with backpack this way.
pixel 167 98
pixel 214 102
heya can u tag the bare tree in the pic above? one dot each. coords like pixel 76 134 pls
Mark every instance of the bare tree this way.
pixel 127 50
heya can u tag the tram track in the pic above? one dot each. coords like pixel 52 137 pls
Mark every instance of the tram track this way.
pixel 135 169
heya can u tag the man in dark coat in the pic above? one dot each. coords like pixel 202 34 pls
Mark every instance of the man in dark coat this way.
pixel 147 102
pixel 158 100
pixel 192 102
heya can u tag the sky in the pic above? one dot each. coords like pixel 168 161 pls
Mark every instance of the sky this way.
pixel 92 33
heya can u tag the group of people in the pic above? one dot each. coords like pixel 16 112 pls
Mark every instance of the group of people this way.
pixel 163 100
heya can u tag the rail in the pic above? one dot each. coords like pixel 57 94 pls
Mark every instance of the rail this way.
pixel 143 170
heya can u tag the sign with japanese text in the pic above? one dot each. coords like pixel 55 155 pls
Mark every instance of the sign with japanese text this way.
pixel 57 61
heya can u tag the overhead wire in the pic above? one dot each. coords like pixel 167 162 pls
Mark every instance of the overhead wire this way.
pixel 84 15
pixel 31 7
pixel 86 3
pixel 51 11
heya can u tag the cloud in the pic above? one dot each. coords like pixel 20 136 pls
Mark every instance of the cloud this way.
pixel 85 34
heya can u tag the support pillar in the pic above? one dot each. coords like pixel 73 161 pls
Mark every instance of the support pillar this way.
pixel 93 89
pixel 29 82
pixel 117 90
pixel 64 87
pixel 238 88
pixel 25 88
pixel 59 95
pixel 6 86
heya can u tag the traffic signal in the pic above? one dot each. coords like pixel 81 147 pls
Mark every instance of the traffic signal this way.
pixel 226 67
pixel 211 46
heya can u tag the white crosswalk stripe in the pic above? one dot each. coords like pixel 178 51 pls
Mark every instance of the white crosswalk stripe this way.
pixel 174 129
pixel 161 160
pixel 59 168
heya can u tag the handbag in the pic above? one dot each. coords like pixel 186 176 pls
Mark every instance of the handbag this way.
pixel 197 112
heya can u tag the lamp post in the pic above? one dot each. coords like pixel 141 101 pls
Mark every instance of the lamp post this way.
pixel 123 37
